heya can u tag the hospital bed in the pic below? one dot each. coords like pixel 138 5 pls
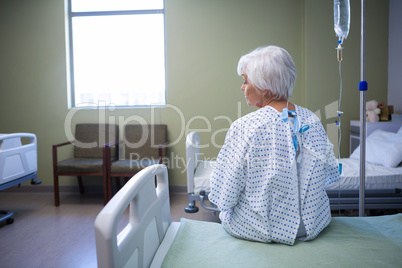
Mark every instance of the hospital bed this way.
pixel 383 183
pixel 149 239
pixel 18 163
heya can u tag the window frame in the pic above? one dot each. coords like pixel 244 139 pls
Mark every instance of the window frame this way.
pixel 70 51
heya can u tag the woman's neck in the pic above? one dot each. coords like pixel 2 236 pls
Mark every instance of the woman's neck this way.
pixel 279 104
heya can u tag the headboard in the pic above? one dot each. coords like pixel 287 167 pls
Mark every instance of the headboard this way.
pixel 149 218
pixel 192 157
pixel 17 158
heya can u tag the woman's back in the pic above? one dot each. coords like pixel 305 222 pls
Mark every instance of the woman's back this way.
pixel 270 176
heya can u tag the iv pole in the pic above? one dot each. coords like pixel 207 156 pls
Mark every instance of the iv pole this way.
pixel 362 89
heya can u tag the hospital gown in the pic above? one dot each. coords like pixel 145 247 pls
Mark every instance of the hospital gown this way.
pixel 265 186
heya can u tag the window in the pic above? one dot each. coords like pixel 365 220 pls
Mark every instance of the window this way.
pixel 117 52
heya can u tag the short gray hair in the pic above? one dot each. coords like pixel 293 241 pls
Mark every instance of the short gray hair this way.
pixel 270 68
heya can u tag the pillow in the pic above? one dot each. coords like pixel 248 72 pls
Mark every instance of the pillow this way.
pixel 382 148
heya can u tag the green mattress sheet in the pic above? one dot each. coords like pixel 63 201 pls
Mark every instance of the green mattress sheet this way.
pixel 346 242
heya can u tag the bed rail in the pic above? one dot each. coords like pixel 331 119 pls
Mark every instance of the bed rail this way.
pixel 17 158
pixel 149 218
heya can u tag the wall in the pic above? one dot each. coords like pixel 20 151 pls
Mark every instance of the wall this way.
pixel 395 56
pixel 204 41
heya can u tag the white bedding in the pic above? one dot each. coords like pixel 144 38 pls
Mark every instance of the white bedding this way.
pixel 377 176
pixel 382 148
pixel 346 242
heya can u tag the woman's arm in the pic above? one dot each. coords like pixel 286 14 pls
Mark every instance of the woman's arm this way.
pixel 229 176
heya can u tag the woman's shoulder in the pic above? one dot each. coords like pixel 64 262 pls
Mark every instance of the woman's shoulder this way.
pixel 307 115
pixel 247 125
pixel 256 119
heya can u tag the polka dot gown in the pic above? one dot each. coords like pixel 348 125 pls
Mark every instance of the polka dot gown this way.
pixel 263 189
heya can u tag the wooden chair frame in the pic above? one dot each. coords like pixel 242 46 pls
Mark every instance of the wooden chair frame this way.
pixel 104 173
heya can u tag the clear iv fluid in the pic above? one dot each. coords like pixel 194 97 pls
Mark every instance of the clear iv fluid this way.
pixel 341 18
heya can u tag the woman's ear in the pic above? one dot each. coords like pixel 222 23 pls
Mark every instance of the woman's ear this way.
pixel 266 93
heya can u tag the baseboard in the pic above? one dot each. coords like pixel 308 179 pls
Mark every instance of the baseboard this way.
pixel 91 189
pixel 49 189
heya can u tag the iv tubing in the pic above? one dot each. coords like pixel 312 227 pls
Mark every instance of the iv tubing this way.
pixel 338 124
pixel 339 111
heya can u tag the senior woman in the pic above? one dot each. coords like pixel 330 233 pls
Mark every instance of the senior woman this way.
pixel 272 171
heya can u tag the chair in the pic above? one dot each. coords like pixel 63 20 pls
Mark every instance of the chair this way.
pixel 89 158
pixel 143 146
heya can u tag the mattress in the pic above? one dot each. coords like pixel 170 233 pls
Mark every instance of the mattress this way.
pixel 377 177
pixel 346 242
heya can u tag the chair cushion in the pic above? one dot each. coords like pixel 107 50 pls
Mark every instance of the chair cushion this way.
pixel 90 139
pixel 75 165
pixel 131 166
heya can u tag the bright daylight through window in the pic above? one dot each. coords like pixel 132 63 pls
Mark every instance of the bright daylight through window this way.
pixel 117 52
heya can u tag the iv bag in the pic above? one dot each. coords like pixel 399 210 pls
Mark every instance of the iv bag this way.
pixel 341 18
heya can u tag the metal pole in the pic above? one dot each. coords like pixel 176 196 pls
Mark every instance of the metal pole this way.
pixel 362 110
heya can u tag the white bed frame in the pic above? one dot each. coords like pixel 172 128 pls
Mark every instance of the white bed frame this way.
pixel 16 160
pixel 383 188
pixel 197 169
pixel 139 243
pixel 18 163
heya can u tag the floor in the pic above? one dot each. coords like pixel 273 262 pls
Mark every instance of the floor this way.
pixel 43 235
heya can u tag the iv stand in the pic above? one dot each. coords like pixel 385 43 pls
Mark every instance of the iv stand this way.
pixel 362 89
